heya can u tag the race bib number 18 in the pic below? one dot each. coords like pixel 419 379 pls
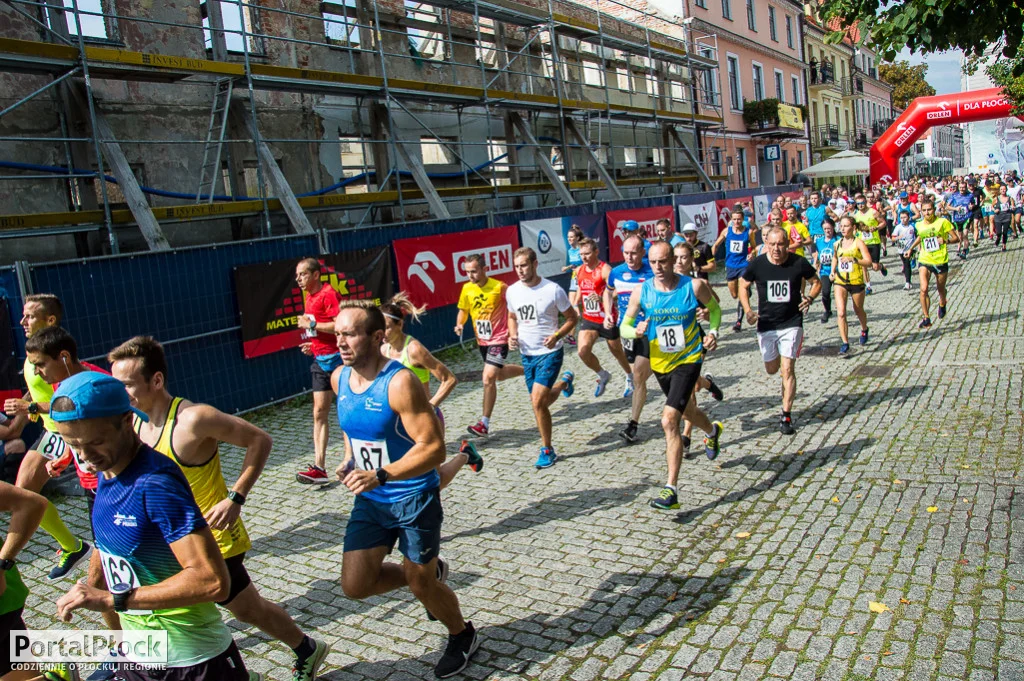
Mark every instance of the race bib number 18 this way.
pixel 671 338
pixel 370 454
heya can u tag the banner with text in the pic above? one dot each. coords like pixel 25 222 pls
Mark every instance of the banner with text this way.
pixel 269 301
pixel 647 217
pixel 430 267
pixel 762 208
pixel 549 238
pixel 703 216
pixel 724 209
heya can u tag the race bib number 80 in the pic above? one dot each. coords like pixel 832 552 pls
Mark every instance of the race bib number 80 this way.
pixel 370 454
pixel 52 446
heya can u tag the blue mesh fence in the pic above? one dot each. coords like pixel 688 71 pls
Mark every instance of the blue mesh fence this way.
pixel 9 290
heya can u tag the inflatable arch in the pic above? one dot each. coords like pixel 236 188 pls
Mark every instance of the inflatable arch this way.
pixel 922 114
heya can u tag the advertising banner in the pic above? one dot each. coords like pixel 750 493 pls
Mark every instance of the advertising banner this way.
pixel 430 268
pixel 270 302
pixel 647 217
pixel 704 217
pixel 762 208
pixel 549 238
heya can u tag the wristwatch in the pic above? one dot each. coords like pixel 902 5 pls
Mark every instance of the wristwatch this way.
pixel 6 564
pixel 121 592
pixel 33 408
pixel 382 477
pixel 236 497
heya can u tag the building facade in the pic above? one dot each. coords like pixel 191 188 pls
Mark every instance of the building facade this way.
pixel 871 97
pixel 830 108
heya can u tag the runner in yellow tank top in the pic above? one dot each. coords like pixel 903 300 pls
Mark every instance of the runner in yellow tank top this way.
pixel 848 275
pixel 191 434
pixel 870 224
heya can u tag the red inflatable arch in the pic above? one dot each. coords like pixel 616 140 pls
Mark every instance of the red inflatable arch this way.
pixel 923 113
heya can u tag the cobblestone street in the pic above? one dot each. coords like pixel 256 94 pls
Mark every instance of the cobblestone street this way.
pixel 897 489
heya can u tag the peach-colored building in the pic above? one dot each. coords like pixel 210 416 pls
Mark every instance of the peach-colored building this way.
pixel 760 56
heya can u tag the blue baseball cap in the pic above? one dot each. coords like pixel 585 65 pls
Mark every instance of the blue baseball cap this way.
pixel 903 195
pixel 94 396
pixel 630 225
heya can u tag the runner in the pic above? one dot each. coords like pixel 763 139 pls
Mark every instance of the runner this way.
pixel 670 302
pixel 851 258
pixel 573 238
pixel 703 254
pixel 483 300
pixel 933 233
pixel 1003 208
pixel 977 201
pixel 959 208
pixel 780 316
pixel 321 307
pixel 157 564
pixel 189 434
pixel 904 236
pixel 1014 192
pixel 393 446
pixel 663 229
pixel 814 215
pixel 824 255
pixel 412 354
pixel 41 311
pixel 869 225
pixel 534 304
pixel 739 245
pixel 837 205
pixel 799 236
pixel 626 277
pixel 592 278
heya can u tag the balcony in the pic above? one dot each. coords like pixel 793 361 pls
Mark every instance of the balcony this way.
pixel 870 73
pixel 878 127
pixel 769 118
pixel 822 76
pixel 863 139
pixel 853 86
pixel 828 137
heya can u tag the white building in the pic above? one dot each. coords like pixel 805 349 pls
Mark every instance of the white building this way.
pixel 996 144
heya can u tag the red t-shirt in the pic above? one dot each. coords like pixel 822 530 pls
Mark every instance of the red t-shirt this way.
pixel 323 305
pixel 87 480
pixel 591 286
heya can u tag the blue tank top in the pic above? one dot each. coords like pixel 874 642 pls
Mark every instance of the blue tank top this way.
pixel 377 435
pixel 624 280
pixel 908 209
pixel 672 330
pixel 826 253
pixel 575 259
pixel 736 248
pixel 961 204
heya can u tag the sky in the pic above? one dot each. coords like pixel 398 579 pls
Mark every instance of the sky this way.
pixel 943 69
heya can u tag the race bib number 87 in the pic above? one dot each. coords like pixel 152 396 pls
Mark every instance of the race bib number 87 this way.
pixel 370 454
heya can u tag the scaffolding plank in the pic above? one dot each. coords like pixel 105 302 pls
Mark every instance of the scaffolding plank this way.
pixel 542 160
pixel 605 176
pixel 419 174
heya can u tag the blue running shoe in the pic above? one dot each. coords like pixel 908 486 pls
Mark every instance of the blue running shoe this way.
pixel 568 377
pixel 546 459
pixel 602 382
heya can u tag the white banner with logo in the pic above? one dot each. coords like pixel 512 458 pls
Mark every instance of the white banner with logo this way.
pixel 702 215
pixel 762 208
pixel 547 239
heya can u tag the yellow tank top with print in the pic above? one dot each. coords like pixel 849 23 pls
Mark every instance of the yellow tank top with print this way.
pixel 850 273
pixel 207 483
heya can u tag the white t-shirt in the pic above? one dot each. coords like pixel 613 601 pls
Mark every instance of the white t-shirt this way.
pixel 536 309
pixel 1014 193
pixel 837 206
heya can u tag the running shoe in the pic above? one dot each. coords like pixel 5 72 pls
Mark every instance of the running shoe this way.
pixel 460 648
pixel 305 669
pixel 313 475
pixel 479 429
pixel 738 326
pixel 629 432
pixel 546 459
pixel 65 673
pixel 568 377
pixel 67 560
pixel 475 461
pixel 666 500
pixel 628 391
pixel 1004 248
pixel 906 287
pixel 824 316
pixel 883 270
pixel 602 382
pixel 442 576
pixel 868 290
pixel 711 445
pixel 844 349
pixel 925 323
pixel 786 426
pixel 942 311
pixel 864 337
pixel 713 388
pixel 571 339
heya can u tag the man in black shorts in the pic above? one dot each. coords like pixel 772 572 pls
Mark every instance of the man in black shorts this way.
pixel 592 281
pixel 780 276
pixel 703 256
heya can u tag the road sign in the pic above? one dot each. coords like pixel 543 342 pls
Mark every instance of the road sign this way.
pixel 773 152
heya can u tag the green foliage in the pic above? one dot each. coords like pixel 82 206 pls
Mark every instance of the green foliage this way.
pixel 763 110
pixel 1002 73
pixel 908 82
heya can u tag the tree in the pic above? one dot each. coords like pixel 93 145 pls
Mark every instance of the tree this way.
pixel 927 26
pixel 908 82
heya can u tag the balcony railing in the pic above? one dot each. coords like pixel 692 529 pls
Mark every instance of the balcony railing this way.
pixel 853 86
pixel 871 72
pixel 829 137
pixel 822 75
pixel 878 127
pixel 862 139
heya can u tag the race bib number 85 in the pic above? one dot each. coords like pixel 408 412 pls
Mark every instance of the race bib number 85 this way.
pixel 370 454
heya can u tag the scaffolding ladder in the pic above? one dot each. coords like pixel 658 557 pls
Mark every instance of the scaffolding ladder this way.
pixel 209 173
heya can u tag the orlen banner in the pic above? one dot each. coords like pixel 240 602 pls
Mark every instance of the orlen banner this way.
pixel 549 239
pixel 922 114
pixel 647 217
pixel 430 268
pixel 724 210
pixel 703 215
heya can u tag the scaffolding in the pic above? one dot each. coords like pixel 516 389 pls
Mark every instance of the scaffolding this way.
pixel 420 109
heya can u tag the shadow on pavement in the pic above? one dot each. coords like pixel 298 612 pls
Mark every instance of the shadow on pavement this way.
pixel 321 532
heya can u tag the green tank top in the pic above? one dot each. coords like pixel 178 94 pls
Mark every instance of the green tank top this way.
pixel 421 373
pixel 14 597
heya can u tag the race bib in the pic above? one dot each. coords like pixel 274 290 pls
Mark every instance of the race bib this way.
pixel 735 246
pixel 370 454
pixel 117 570
pixel 671 338
pixel 592 304
pixel 931 244
pixel 309 333
pixel 825 257
pixel 778 291
pixel 52 447
pixel 627 344
pixel 483 329
pixel 526 314
pixel 846 267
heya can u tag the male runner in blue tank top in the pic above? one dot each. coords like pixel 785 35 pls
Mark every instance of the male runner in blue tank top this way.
pixel 393 446
pixel 739 249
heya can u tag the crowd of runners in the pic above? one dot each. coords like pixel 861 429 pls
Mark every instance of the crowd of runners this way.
pixel 168 542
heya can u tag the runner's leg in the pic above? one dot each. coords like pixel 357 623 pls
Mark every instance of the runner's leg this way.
pixel 924 275
pixel 585 340
pixel 841 296
pixel 321 425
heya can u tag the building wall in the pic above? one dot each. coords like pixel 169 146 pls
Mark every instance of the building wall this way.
pixel 827 105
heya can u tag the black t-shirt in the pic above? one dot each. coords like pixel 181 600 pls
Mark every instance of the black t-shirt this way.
pixel 778 290
pixel 702 255
pixel 978 196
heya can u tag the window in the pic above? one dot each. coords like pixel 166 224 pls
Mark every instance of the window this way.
pixel 758 82
pixel 771 24
pixel 593 73
pixel 780 89
pixel 796 89
pixel 622 77
pixel 741 161
pixel 735 88
pixel 233 29
pixel 427 44
pixel 727 9
pixel 702 4
pixel 785 164
pixel 434 151
pixel 94 25
pixel 799 160
pixel 751 17
pixel 709 84
pixel 716 160
pixel 789 31
pixel 340 25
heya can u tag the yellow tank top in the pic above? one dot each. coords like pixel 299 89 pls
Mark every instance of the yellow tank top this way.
pixel 851 273
pixel 207 483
